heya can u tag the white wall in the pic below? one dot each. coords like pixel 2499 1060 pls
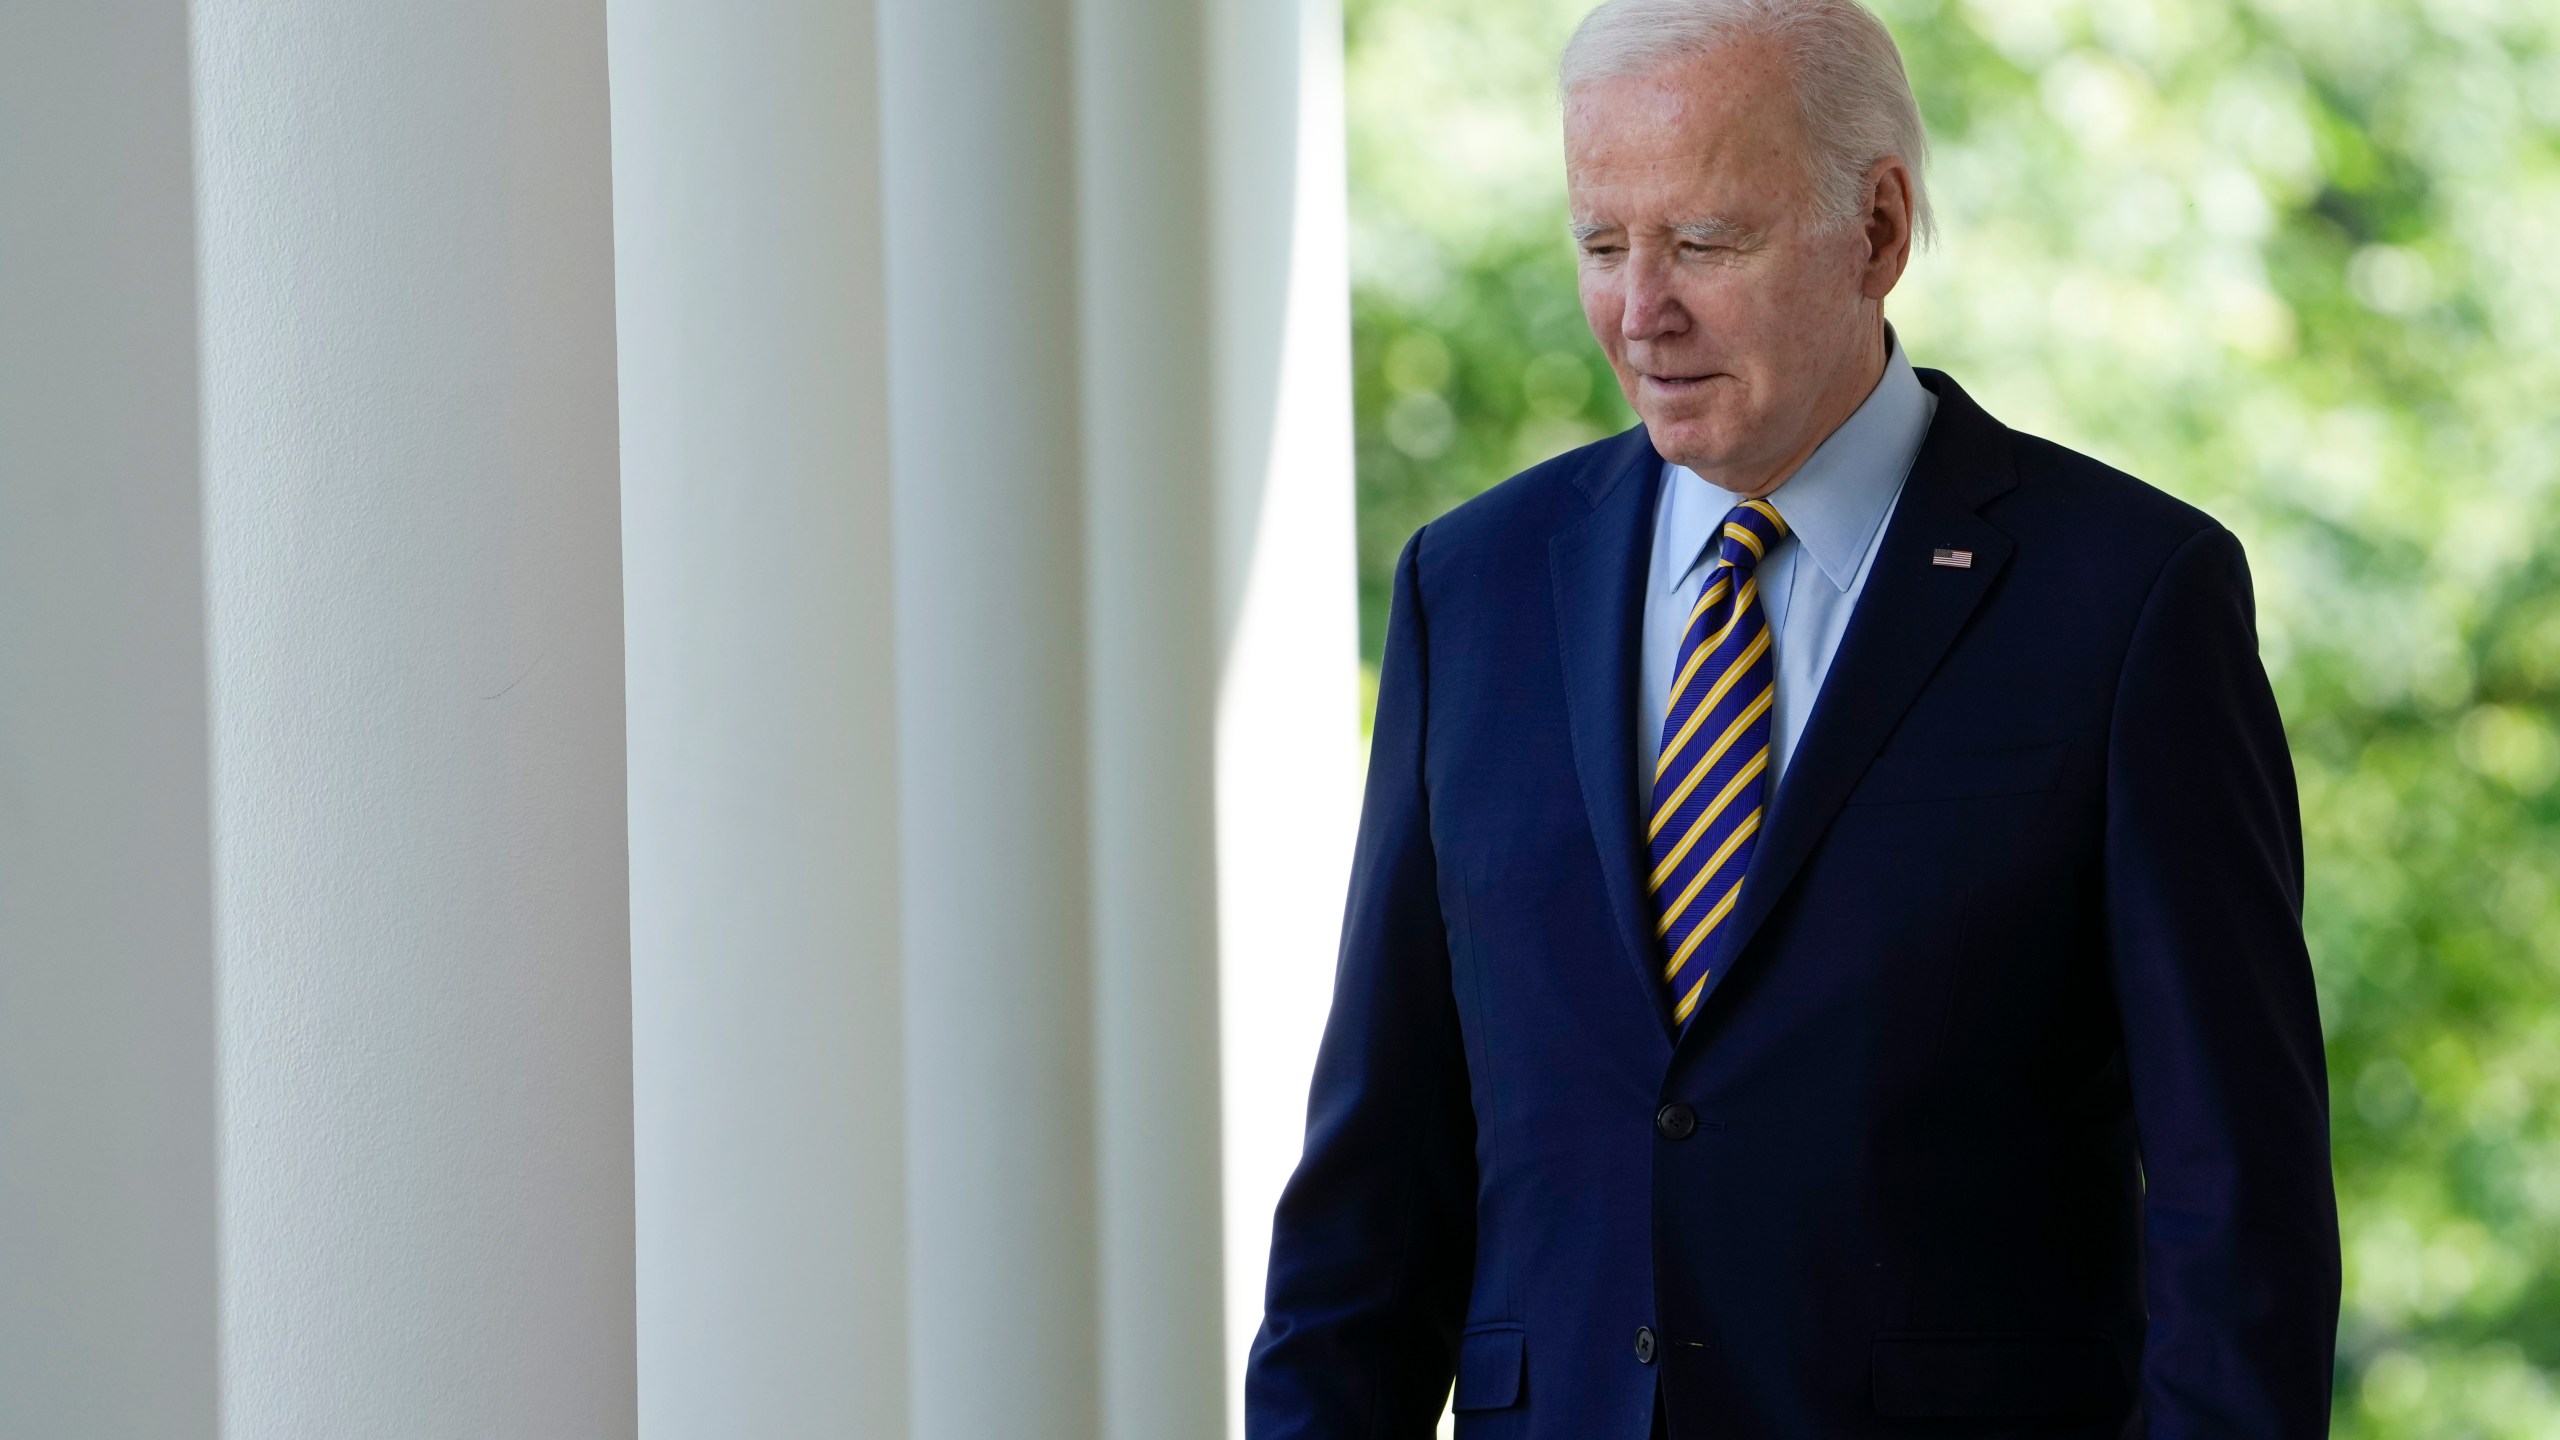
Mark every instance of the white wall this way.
pixel 769 1111
pixel 106 947
pixel 416 658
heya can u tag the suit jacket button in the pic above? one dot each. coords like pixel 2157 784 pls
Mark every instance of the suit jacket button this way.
pixel 1676 1121
pixel 1644 1344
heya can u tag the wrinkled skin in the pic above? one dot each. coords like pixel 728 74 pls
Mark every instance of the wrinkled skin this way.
pixel 1742 326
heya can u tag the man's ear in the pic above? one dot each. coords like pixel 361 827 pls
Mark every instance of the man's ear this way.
pixel 1888 226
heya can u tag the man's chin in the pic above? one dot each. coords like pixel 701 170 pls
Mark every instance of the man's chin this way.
pixel 1701 443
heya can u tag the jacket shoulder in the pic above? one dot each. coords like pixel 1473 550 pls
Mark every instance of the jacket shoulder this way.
pixel 2073 500
pixel 1514 520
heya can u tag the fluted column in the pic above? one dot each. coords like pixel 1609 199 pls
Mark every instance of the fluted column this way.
pixel 107 1258
pixel 1287 722
pixel 1127 659
pixel 974 531
pixel 978 125
pixel 1144 153
pixel 416 672
pixel 768 1092
pixel 975 465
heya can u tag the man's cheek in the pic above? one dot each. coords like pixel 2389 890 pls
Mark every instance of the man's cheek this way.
pixel 1602 309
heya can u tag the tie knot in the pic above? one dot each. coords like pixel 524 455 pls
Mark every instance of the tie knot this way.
pixel 1750 528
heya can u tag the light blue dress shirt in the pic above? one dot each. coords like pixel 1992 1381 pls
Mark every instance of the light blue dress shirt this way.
pixel 1835 506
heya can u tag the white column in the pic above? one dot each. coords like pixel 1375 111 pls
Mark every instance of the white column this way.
pixel 1150 457
pixel 416 659
pixel 767 1054
pixel 106 947
pixel 978 127
pixel 1288 719
pixel 1113 377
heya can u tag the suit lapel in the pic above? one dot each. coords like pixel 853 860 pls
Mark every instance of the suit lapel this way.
pixel 1911 611
pixel 1599 571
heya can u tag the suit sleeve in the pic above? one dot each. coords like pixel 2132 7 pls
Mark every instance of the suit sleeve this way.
pixel 1373 1244
pixel 2221 1028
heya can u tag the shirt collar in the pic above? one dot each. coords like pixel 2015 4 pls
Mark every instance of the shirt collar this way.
pixel 1837 498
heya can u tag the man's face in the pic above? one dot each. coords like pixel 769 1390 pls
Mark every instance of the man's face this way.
pixel 1736 321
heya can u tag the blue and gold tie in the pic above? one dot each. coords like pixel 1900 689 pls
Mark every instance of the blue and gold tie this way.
pixel 1715 754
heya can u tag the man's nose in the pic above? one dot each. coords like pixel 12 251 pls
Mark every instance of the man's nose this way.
pixel 1651 311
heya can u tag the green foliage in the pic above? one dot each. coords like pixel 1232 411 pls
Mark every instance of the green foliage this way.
pixel 2296 260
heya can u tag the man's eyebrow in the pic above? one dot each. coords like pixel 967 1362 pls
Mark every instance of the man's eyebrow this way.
pixel 1714 230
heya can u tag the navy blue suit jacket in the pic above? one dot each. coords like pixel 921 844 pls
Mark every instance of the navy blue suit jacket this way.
pixel 2009 1108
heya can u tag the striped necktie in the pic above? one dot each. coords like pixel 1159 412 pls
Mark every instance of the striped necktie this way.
pixel 1715 752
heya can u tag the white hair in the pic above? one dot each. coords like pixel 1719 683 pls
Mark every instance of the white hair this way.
pixel 1850 88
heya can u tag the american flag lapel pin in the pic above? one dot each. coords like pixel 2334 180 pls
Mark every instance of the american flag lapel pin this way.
pixel 1952 559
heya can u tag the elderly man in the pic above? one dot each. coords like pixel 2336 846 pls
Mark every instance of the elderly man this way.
pixel 1824 955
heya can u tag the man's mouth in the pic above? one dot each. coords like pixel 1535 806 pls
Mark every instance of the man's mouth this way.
pixel 1678 384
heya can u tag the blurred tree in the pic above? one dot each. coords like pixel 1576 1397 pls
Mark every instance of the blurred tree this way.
pixel 2295 260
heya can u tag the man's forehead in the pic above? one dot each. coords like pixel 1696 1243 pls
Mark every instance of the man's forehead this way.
pixel 1701 184
pixel 1684 111
pixel 1674 150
